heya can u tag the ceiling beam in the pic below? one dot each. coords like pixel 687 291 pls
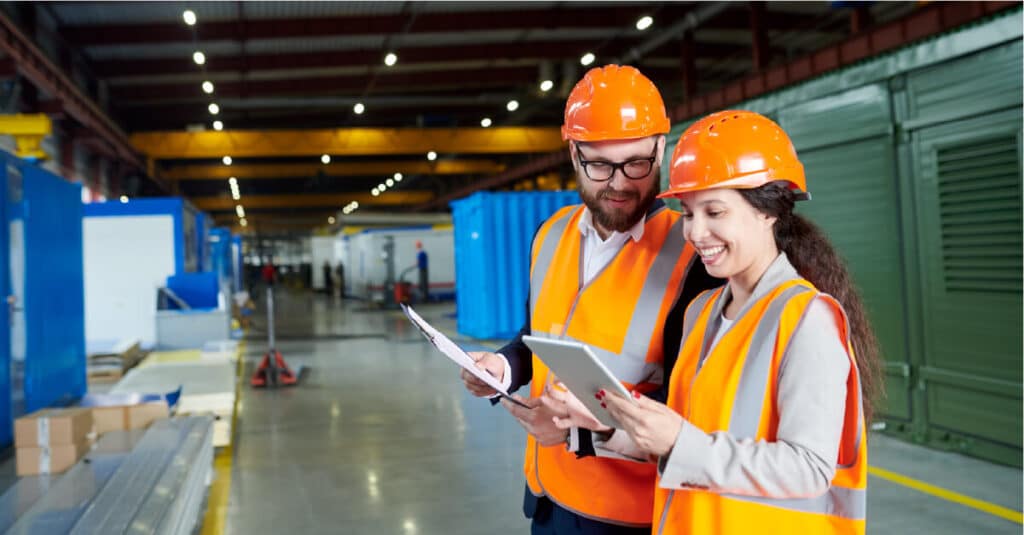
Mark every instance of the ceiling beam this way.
pixel 533 167
pixel 574 17
pixel 311 200
pixel 304 170
pixel 215 65
pixel 346 142
pixel 356 82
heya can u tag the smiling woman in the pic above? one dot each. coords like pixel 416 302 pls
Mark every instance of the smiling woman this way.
pixel 764 424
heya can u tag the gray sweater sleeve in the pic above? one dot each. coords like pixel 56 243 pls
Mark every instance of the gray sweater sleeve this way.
pixel 811 401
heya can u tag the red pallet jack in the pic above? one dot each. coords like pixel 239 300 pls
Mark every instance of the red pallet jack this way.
pixel 273 370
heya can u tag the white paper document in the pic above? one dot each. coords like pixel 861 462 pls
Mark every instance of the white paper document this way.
pixel 455 353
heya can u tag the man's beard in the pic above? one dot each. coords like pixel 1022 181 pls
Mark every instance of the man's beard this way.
pixel 617 221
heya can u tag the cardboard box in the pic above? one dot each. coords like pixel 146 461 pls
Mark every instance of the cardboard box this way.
pixel 126 417
pixel 140 416
pixel 106 419
pixel 48 460
pixel 53 427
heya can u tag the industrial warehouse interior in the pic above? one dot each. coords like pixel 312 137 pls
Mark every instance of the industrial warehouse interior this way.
pixel 269 267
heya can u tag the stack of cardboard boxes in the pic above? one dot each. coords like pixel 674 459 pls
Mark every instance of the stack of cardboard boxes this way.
pixel 50 441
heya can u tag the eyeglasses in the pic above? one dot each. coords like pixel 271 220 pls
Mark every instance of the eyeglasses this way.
pixel 602 171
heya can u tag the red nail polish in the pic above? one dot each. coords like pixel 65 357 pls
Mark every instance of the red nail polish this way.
pixel 603 405
pixel 636 394
pixel 597 396
pixel 600 392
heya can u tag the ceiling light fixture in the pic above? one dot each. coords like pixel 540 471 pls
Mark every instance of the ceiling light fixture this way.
pixel 587 59
pixel 398 177
pixel 431 155
pixel 512 105
pixel 199 57
pixel 330 220
pixel 375 192
pixel 218 126
pixel 390 182
pixel 359 108
pixel 190 17
pixel 644 22
pixel 207 87
pixel 546 85
pixel 124 199
pixel 325 159
pixel 214 108
pixel 485 122
pixel 227 160
pixel 390 59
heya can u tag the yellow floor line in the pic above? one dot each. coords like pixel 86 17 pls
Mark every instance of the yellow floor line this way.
pixel 215 518
pixel 955 497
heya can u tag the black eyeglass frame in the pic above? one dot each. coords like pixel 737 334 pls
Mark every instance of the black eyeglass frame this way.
pixel 617 166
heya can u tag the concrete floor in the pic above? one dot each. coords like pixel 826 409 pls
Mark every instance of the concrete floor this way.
pixel 381 438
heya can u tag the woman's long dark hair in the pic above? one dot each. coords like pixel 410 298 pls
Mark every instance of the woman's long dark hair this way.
pixel 817 261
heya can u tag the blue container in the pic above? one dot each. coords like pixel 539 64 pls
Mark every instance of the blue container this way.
pixel 53 292
pixel 218 253
pixel 199 290
pixel 493 232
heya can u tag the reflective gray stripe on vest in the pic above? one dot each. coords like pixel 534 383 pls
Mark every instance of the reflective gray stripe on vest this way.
pixel 842 502
pixel 627 369
pixel 748 402
pixel 645 315
pixel 693 311
pixel 546 254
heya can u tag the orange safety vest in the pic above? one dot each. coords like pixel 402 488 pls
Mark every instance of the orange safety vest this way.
pixel 734 389
pixel 620 314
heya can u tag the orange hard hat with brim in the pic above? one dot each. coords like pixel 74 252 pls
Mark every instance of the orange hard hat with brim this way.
pixel 614 102
pixel 734 149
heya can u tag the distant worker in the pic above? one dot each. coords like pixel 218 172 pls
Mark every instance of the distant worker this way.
pixel 421 264
pixel 269 273
pixel 328 279
pixel 340 270
pixel 611 273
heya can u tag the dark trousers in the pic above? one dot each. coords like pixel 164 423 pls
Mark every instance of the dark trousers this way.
pixel 551 519
pixel 424 285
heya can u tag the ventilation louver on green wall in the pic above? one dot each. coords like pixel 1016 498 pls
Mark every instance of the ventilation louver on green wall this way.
pixel 980 211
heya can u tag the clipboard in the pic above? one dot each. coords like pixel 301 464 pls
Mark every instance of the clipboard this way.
pixel 452 350
pixel 581 371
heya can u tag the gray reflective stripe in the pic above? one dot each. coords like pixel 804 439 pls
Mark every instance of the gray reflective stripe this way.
pixel 648 305
pixel 626 368
pixel 748 402
pixel 693 312
pixel 838 501
pixel 665 510
pixel 545 255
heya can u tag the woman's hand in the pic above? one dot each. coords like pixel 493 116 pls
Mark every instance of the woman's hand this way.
pixel 653 426
pixel 575 414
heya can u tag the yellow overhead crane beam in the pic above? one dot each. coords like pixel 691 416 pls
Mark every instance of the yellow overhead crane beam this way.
pixel 310 200
pixel 28 132
pixel 347 142
pixel 288 170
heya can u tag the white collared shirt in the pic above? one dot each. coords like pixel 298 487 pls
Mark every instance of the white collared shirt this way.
pixel 598 253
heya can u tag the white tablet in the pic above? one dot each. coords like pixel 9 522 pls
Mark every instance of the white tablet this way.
pixel 581 371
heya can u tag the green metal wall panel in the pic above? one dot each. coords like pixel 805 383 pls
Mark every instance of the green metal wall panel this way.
pixel 982 82
pixel 848 155
pixel 942 280
pixel 968 204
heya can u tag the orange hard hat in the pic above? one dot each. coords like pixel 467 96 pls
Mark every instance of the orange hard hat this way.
pixel 734 149
pixel 614 102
